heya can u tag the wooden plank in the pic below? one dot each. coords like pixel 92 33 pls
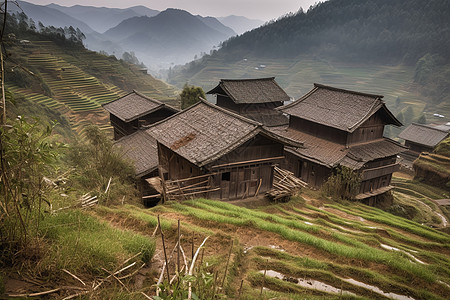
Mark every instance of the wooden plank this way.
pixel 248 162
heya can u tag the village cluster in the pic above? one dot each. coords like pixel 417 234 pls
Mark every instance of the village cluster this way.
pixel 231 149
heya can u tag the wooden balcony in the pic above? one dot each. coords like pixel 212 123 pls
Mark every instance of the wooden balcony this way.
pixel 379 171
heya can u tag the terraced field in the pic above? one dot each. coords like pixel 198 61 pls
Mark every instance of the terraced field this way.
pixel 303 249
pixel 81 81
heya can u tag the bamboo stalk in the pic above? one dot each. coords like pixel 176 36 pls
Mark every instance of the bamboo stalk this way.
pixel 178 250
pixel 240 290
pixel 262 286
pixel 35 294
pixel 248 162
pixel 164 248
pixel 228 262
pixel 74 276
pixel 191 269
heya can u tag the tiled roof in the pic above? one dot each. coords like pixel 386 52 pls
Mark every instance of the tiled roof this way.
pixel 332 154
pixel 141 149
pixel 338 108
pixel 205 132
pixel 133 106
pixel 423 134
pixel 260 90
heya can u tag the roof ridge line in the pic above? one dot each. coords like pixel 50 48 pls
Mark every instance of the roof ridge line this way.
pixel 249 79
pixel 430 127
pixel 345 90
pixel 298 100
pixel 253 122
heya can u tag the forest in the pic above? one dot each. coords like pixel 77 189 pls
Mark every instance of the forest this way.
pixel 376 31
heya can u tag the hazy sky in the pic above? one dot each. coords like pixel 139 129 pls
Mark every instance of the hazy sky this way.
pixel 255 9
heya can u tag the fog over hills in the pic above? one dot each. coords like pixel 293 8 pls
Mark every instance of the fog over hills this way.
pixel 240 24
pixel 103 18
pixel 172 37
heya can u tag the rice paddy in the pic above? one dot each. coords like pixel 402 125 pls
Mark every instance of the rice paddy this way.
pixel 331 250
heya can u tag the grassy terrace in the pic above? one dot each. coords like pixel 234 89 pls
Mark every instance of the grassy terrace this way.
pixel 333 245
pixel 81 81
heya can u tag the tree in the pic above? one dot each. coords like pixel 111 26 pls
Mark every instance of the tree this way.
pixel 191 95
pixel 422 120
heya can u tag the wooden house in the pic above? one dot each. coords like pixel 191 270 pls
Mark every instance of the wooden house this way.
pixel 255 99
pixel 209 151
pixel 135 110
pixel 422 138
pixel 341 128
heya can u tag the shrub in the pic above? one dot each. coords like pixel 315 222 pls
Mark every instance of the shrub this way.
pixel 343 184
pixel 96 162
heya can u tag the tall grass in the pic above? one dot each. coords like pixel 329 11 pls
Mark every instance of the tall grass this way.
pixel 82 243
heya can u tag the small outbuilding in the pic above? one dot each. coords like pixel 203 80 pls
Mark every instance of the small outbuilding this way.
pixel 209 151
pixel 255 99
pixel 134 111
pixel 423 138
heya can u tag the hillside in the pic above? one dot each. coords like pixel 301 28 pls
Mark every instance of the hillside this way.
pixel 307 248
pixel 392 48
pixel 74 81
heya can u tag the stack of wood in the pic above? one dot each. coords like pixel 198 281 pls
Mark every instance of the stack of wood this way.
pixel 285 185
pixel 87 200
pixel 187 188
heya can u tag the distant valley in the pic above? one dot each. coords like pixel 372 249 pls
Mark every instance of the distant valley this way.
pixel 158 39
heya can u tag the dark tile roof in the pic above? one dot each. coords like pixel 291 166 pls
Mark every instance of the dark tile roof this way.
pixel 141 149
pixel 423 134
pixel 134 105
pixel 205 132
pixel 260 90
pixel 338 108
pixel 332 154
pixel 359 154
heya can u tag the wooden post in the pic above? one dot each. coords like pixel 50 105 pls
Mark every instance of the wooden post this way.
pixel 164 248
pixel 178 249
pixel 228 262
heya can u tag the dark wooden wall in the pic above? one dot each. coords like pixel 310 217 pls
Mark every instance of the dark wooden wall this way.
pixel 313 174
pixel 417 147
pixel 370 130
pixel 378 173
pixel 318 130
pixel 175 165
pixel 122 128
pixel 256 148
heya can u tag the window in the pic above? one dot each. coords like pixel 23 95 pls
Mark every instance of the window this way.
pixel 226 176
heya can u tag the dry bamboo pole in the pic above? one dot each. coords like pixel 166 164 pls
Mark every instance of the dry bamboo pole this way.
pixel 248 161
pixel 191 269
pixel 259 186
pixel 74 276
pixel 164 248
pixel 190 178
pixel 178 249
pixel 263 282
pixel 228 262
pixel 240 290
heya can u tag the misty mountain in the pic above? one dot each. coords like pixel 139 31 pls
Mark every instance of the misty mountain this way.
pixel 103 18
pixel 172 36
pixel 217 25
pixel 48 16
pixel 240 24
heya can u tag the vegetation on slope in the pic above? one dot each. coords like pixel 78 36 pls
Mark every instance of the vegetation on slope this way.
pixel 50 67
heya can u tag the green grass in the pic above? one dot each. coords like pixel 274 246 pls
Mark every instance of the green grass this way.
pixel 82 243
pixel 357 250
